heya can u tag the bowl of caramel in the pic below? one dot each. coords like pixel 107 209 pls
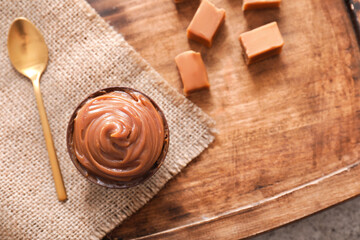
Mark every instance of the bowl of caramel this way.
pixel 117 137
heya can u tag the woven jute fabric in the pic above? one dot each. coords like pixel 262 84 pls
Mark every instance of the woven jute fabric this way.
pixel 85 54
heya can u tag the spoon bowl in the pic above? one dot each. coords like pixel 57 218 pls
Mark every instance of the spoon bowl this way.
pixel 28 54
pixel 27 48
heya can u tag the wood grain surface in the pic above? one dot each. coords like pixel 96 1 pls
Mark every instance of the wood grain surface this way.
pixel 288 142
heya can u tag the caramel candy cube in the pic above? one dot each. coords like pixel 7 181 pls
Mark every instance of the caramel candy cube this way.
pixel 192 71
pixel 205 23
pixel 261 43
pixel 260 4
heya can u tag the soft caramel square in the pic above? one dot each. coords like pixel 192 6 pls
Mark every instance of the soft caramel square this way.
pixel 260 4
pixel 192 71
pixel 205 23
pixel 261 42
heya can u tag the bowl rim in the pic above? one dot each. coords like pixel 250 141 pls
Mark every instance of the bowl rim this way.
pixel 108 183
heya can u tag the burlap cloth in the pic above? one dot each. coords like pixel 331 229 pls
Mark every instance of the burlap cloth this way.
pixel 86 54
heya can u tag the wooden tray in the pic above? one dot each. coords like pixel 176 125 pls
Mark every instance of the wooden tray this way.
pixel 288 142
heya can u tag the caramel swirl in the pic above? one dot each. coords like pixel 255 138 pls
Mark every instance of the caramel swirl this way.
pixel 118 135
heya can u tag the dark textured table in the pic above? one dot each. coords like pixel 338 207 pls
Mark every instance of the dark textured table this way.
pixel 338 222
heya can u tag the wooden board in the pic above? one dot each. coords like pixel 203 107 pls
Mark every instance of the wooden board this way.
pixel 354 11
pixel 289 140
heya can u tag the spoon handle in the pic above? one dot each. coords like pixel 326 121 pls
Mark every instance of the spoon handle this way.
pixel 59 183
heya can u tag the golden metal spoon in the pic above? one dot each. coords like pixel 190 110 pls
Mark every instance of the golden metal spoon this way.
pixel 29 55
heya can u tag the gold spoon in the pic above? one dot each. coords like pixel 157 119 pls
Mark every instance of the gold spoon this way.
pixel 29 55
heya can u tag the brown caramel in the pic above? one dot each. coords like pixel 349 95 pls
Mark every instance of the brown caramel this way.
pixel 118 135
pixel 261 43
pixel 260 4
pixel 192 71
pixel 205 23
